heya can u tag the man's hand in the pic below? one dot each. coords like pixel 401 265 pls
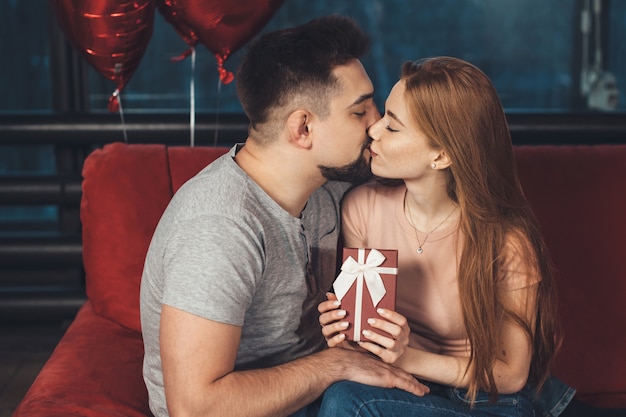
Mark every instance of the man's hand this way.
pixel 368 369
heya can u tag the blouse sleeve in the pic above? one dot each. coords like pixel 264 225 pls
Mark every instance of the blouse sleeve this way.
pixel 354 214
pixel 519 267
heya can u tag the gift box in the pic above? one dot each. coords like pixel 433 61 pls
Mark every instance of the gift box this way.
pixel 367 282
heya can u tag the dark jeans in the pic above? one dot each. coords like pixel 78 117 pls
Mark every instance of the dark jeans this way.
pixel 350 399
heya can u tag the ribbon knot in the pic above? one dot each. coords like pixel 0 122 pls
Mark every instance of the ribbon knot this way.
pixel 368 270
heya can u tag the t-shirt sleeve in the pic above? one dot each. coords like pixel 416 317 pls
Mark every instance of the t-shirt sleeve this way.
pixel 211 268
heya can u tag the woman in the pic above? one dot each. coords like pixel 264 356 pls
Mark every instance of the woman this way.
pixel 475 312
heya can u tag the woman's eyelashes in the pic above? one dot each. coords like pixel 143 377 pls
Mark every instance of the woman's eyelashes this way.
pixel 390 129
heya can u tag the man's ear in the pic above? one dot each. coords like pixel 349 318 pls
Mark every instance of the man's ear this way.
pixel 298 128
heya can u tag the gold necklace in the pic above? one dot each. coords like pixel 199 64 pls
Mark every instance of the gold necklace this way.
pixel 419 249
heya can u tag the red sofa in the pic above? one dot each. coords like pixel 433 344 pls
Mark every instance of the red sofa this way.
pixel 577 192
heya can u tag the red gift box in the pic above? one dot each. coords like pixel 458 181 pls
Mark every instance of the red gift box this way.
pixel 367 282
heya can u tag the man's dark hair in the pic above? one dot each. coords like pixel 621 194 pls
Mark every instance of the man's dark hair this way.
pixel 287 63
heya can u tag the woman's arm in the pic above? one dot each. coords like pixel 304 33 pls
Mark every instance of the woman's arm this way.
pixel 512 363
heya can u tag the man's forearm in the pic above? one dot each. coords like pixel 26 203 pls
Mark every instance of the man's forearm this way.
pixel 282 390
pixel 276 391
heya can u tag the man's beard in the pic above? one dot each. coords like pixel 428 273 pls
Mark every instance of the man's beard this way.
pixel 356 172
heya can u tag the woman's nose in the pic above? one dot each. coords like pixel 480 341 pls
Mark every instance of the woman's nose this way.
pixel 374 130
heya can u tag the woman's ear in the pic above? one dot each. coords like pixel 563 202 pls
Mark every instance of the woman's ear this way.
pixel 298 128
pixel 442 160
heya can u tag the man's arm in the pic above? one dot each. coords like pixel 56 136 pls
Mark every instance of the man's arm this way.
pixel 198 357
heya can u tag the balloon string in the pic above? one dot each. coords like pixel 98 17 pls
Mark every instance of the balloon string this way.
pixel 192 99
pixel 118 95
pixel 217 109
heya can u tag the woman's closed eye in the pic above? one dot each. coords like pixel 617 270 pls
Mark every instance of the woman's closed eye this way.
pixel 390 129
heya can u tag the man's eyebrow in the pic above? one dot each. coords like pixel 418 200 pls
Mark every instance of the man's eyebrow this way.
pixel 362 98
pixel 394 117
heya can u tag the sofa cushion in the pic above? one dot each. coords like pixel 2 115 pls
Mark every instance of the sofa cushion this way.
pixel 125 191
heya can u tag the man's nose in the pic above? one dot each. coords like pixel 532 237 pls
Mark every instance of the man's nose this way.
pixel 376 113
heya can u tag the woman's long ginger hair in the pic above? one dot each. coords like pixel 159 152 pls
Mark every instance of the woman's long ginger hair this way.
pixel 455 104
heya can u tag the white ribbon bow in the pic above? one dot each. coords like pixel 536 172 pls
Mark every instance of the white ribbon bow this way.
pixel 352 270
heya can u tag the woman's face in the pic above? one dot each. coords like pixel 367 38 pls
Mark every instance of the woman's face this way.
pixel 399 148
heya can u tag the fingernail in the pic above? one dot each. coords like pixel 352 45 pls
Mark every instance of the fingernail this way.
pixel 341 336
pixel 367 333
pixel 341 313
pixel 344 324
pixel 336 303
pixel 371 321
pixel 380 311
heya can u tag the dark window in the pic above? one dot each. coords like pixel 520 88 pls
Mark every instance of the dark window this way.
pixel 537 53
pixel 560 56
pixel 532 50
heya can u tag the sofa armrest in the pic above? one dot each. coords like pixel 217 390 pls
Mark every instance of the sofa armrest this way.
pixel 95 371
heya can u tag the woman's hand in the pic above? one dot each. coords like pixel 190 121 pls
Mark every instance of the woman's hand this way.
pixel 330 320
pixel 389 348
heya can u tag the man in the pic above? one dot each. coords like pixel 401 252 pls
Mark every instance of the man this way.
pixel 247 249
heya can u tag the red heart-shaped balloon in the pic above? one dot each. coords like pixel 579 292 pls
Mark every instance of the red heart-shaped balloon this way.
pixel 172 15
pixel 112 35
pixel 221 26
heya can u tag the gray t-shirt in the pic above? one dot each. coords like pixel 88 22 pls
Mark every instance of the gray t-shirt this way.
pixel 225 251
